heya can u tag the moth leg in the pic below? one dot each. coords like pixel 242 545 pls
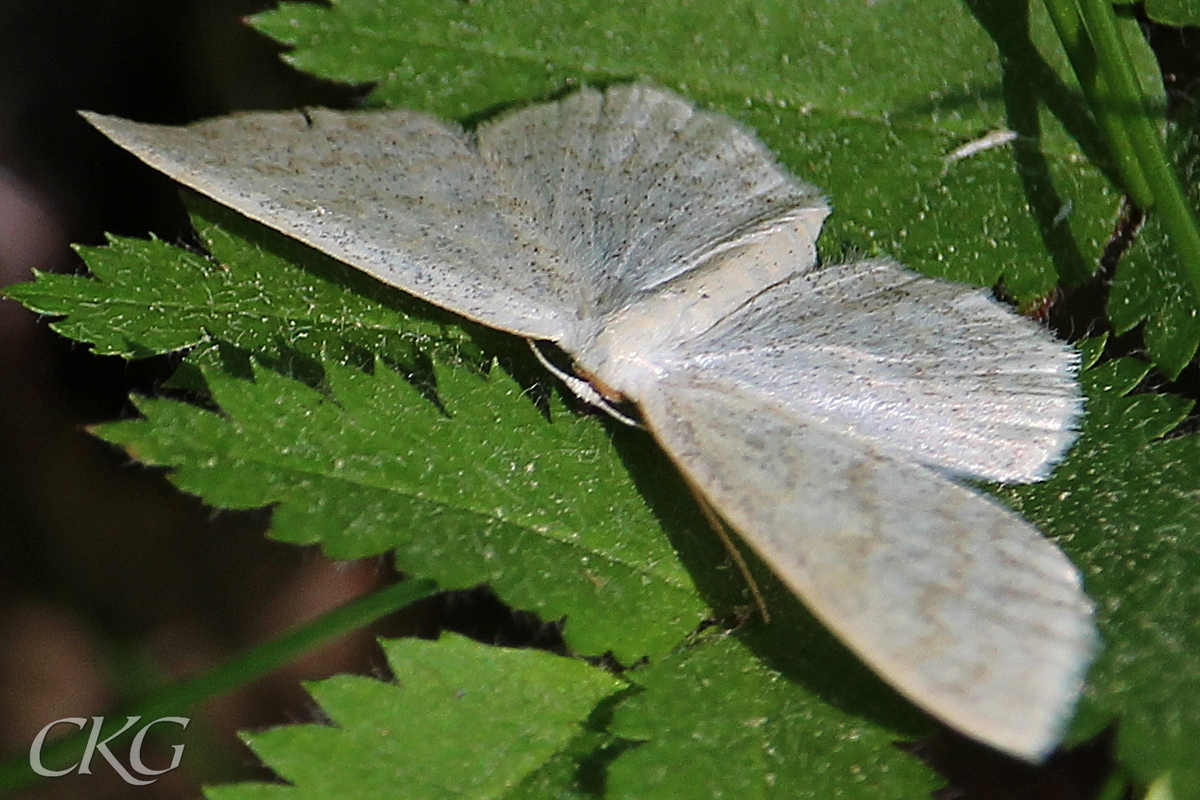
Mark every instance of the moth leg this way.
pixel 586 392
pixel 722 530
pixel 582 389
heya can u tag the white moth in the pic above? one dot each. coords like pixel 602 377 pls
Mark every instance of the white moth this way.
pixel 827 413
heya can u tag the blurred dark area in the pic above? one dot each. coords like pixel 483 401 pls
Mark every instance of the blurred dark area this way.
pixel 112 582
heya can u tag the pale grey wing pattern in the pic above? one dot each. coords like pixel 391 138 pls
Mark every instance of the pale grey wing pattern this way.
pixel 399 194
pixel 641 187
pixel 929 370
pixel 961 605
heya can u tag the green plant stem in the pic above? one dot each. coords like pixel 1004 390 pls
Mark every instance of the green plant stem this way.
pixel 1127 100
pixel 16 773
pixel 1098 91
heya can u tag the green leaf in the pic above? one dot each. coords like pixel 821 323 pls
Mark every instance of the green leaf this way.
pixel 148 297
pixel 545 513
pixel 779 710
pixel 807 77
pixel 1149 285
pixel 1174 12
pixel 460 720
pixel 1125 508
pixel 462 59
pixel 576 771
